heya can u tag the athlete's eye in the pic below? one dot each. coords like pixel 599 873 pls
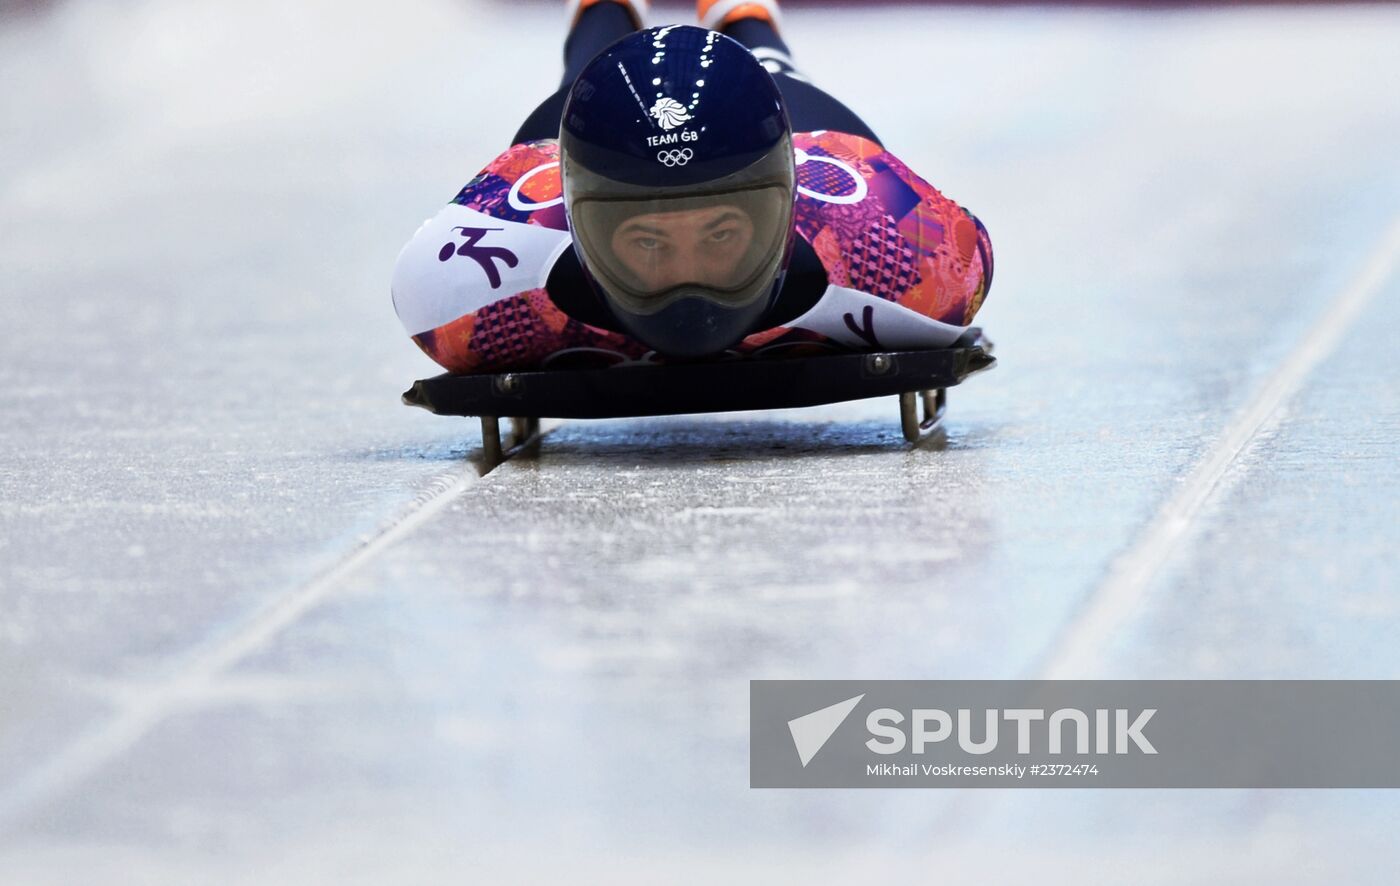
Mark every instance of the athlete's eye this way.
pixel 650 244
pixel 722 236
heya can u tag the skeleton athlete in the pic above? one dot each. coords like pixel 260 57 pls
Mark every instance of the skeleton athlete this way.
pixel 688 194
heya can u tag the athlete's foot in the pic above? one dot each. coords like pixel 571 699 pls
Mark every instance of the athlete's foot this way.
pixel 716 14
pixel 636 8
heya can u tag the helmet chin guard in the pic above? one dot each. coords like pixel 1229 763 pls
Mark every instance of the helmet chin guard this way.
pixel 679 182
pixel 693 325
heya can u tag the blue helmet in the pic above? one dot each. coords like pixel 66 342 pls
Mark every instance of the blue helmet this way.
pixel 679 182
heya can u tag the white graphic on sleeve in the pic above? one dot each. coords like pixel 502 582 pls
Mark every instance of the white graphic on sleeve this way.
pixel 514 196
pixel 669 113
pixel 429 291
pixel 859 320
pixel 861 188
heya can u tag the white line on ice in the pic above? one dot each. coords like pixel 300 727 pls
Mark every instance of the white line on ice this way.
pixel 143 710
pixel 1120 596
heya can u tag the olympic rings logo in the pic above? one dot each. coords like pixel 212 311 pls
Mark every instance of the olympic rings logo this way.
pixel 675 157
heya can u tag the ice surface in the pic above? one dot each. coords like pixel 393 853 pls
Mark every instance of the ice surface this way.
pixel 212 671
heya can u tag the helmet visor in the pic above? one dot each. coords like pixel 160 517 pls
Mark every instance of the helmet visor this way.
pixel 726 245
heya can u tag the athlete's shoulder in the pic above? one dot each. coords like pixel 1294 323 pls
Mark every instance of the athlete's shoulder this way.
pixel 522 185
pixel 500 236
pixel 881 229
pixel 842 169
pixel 860 208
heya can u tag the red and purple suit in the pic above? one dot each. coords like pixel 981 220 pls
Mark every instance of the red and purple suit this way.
pixel 906 267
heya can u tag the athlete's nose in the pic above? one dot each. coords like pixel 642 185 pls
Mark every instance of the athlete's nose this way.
pixel 685 266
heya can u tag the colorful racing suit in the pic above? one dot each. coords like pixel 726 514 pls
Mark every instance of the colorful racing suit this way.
pixel 906 267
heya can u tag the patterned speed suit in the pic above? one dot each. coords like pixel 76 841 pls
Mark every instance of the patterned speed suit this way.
pixel 906 267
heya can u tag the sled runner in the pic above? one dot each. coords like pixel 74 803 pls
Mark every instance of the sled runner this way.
pixel 728 386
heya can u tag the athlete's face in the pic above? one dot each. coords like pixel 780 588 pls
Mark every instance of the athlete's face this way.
pixel 701 246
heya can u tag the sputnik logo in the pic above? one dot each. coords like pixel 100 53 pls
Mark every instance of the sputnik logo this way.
pixel 669 113
pixel 810 732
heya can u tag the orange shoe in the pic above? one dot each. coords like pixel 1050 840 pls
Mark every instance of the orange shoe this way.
pixel 637 8
pixel 715 14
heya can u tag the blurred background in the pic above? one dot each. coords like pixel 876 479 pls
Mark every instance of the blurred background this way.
pixel 259 623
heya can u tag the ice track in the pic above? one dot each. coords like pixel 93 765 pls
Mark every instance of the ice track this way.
pixel 260 623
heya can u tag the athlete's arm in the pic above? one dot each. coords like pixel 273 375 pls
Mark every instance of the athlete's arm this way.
pixel 470 286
